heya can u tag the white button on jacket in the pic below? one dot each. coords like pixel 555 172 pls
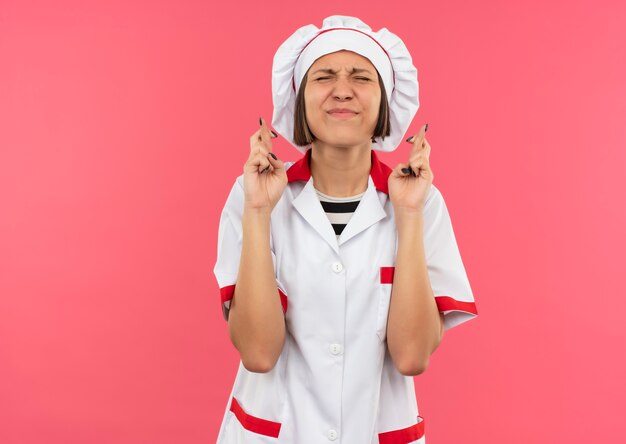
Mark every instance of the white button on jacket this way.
pixel 335 294
pixel 335 349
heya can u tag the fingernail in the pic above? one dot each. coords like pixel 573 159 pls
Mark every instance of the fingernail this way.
pixel 275 135
pixel 266 168
pixel 274 156
pixel 260 122
pixel 406 170
pixel 426 129
pixel 409 139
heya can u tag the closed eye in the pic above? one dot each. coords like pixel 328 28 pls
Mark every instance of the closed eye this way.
pixel 360 78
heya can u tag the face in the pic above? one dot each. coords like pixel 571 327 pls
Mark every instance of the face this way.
pixel 342 79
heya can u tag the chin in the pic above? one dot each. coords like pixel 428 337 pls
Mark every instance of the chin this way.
pixel 344 143
pixel 342 138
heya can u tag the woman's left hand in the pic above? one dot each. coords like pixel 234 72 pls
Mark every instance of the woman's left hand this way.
pixel 406 191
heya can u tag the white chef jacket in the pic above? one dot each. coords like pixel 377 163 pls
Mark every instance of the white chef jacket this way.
pixel 335 380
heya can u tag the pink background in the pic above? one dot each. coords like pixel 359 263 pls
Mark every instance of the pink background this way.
pixel 124 124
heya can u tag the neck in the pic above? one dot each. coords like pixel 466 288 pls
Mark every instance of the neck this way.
pixel 341 171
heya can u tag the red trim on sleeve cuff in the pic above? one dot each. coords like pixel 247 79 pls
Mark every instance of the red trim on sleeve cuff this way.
pixel 253 423
pixel 446 303
pixel 402 436
pixel 227 293
pixel 283 299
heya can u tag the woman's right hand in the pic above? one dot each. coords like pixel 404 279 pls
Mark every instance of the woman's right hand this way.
pixel 265 177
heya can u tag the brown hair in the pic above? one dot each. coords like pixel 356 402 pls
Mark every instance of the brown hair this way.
pixel 302 135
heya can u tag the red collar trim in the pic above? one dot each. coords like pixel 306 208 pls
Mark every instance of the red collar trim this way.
pixel 380 171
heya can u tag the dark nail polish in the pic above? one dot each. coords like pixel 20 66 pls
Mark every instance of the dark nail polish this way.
pixel 260 122
pixel 426 129
pixel 406 170
pixel 409 139
pixel 275 135
pixel 266 168
pixel 274 156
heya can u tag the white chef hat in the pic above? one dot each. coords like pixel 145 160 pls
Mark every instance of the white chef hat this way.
pixel 386 52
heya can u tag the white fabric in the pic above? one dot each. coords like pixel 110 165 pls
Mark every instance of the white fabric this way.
pixel 335 371
pixel 385 50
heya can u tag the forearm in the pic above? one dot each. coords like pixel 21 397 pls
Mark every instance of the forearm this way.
pixel 256 319
pixel 414 325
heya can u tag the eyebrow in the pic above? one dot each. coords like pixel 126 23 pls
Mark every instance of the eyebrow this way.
pixel 354 71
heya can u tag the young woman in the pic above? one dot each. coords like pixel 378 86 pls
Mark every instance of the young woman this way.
pixel 338 275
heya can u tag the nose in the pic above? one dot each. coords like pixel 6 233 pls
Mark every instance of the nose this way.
pixel 342 89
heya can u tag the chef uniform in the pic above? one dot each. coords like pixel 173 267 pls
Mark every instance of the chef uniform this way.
pixel 334 380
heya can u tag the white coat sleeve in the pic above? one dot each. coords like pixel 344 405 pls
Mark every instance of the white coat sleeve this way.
pixel 446 272
pixel 229 243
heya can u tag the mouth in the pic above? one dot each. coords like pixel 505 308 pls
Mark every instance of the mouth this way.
pixel 342 114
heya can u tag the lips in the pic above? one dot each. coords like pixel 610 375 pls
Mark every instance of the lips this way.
pixel 341 111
